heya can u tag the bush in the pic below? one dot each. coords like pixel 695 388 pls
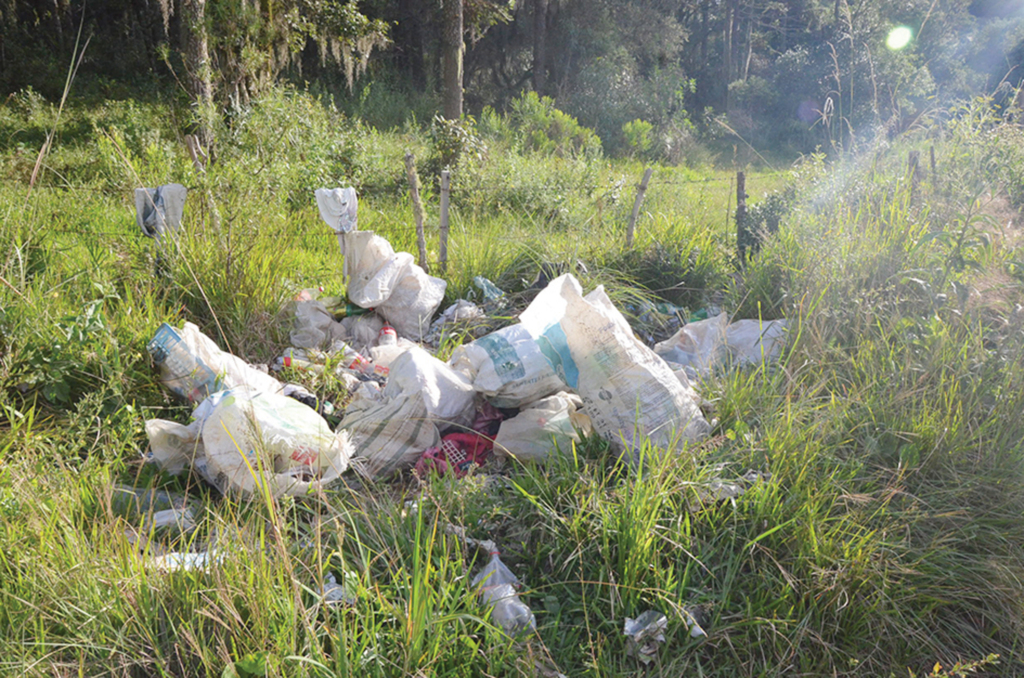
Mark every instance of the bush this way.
pixel 540 127
pixel 638 135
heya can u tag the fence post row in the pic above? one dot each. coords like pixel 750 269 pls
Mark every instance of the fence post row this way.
pixel 641 189
pixel 417 208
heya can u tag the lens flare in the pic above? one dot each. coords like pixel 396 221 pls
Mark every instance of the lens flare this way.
pixel 899 37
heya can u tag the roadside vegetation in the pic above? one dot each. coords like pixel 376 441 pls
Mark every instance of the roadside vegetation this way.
pixel 885 537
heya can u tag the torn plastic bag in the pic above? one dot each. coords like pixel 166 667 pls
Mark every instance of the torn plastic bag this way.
pixel 259 440
pixel 389 282
pixel 535 432
pixel 508 367
pixel 707 344
pixel 389 434
pixel 447 394
pixel 192 366
pixel 628 391
pixel 158 211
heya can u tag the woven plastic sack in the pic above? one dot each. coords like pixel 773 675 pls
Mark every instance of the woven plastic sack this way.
pixel 508 367
pixel 628 391
pixel 389 434
pixel 447 395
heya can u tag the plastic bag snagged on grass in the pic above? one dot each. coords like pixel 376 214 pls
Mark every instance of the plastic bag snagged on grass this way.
pixel 628 391
pixel 706 344
pixel 535 432
pixel 389 282
pixel 193 366
pixel 338 208
pixel 244 440
pixel 158 210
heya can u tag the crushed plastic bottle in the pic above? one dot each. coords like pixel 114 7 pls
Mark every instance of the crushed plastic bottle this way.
pixel 498 590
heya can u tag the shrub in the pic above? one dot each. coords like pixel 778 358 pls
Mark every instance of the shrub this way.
pixel 541 127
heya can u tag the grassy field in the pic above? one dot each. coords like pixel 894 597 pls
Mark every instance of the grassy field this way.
pixel 888 539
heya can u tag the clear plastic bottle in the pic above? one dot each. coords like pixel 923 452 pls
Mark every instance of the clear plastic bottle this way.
pixel 498 590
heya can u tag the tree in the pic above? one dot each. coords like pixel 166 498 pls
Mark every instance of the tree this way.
pixel 540 24
pixel 197 65
pixel 452 48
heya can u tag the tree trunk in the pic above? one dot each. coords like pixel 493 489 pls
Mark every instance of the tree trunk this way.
pixel 451 58
pixel 197 62
pixel 750 47
pixel 730 18
pixel 540 37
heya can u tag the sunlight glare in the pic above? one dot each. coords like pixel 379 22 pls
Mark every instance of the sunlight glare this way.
pixel 899 37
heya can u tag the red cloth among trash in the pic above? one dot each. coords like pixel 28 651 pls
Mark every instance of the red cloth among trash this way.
pixel 458 452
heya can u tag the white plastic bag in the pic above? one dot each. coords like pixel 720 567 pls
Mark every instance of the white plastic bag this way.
pixel 389 434
pixel 751 341
pixel 628 391
pixel 700 345
pixel 498 592
pixel 534 433
pixel 363 330
pixel 460 314
pixel 448 395
pixel 390 283
pixel 708 344
pixel 174 446
pixel 192 365
pixel 315 327
pixel 338 208
pixel 259 440
pixel 386 355
pixel 507 367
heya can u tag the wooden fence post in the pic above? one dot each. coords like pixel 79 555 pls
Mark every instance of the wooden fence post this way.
pixel 913 168
pixel 417 207
pixel 446 178
pixel 641 189
pixel 744 238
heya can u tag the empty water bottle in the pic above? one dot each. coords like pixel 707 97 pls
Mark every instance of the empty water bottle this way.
pixel 498 590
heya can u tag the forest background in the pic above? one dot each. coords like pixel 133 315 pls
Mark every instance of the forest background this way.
pixel 652 77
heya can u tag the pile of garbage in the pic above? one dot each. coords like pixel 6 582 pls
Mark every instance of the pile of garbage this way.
pixel 571 366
